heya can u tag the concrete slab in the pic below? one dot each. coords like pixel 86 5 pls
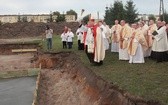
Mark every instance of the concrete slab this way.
pixel 17 91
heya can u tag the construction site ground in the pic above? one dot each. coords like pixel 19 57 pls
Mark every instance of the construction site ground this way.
pixel 67 78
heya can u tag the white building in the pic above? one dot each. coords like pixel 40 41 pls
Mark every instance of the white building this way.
pixel 35 18
pixel 145 17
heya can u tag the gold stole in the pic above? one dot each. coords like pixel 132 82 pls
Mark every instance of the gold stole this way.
pixel 133 35
pixel 115 34
pixel 149 37
pixel 121 38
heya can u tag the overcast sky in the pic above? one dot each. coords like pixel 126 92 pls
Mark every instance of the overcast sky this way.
pixel 90 6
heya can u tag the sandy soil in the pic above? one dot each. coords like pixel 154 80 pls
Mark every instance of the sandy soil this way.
pixel 32 29
pixel 62 90
pixel 20 40
pixel 6 45
pixel 67 82
pixel 15 62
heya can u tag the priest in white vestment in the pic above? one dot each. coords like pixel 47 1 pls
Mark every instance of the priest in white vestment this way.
pixel 99 51
pixel 104 31
pixel 95 49
pixel 123 41
pixel 160 43
pixel 136 41
pixel 80 36
pixel 108 32
pixel 115 30
pixel 144 28
pixel 152 28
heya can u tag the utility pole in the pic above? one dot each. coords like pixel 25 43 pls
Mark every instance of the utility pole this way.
pixel 98 15
pixel 51 16
pixel 161 10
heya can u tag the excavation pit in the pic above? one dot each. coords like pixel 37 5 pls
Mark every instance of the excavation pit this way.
pixel 16 58
pixel 16 62
pixel 64 80
pixel 7 48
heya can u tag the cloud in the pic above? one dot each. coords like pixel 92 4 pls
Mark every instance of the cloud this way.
pixel 90 6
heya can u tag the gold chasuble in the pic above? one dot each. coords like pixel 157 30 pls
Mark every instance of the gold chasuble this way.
pixel 149 39
pixel 136 38
pixel 99 53
pixel 124 35
pixel 115 33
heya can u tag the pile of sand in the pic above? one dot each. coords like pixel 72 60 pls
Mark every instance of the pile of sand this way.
pixel 31 29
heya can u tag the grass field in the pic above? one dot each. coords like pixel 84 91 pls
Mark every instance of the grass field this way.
pixel 149 80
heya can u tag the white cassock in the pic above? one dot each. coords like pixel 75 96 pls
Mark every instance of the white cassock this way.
pixel 123 52
pixel 99 53
pixel 83 29
pixel 108 33
pixel 139 56
pixel 151 29
pixel 114 47
pixel 106 43
pixel 90 41
pixel 115 38
pixel 160 43
pixel 79 35
pixel 144 30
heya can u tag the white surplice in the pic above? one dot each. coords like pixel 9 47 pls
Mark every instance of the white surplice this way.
pixel 123 54
pixel 114 46
pixel 139 56
pixel 114 43
pixel 106 43
pixel 160 43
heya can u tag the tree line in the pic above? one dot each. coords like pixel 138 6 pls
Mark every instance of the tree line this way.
pixel 120 12
pixel 127 12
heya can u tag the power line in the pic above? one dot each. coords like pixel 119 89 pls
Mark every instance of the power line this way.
pixel 161 10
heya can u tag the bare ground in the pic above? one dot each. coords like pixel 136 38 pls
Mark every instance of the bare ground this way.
pixel 65 81
pixel 15 62
pixel 10 61
pixel 32 29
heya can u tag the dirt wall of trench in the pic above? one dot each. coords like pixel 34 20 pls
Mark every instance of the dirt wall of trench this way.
pixel 64 80
pixel 6 49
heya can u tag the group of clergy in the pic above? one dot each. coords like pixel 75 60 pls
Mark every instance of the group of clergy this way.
pixel 133 42
pixel 93 38
pixel 138 40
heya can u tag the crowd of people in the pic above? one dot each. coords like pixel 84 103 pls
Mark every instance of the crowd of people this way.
pixel 133 42
pixel 67 38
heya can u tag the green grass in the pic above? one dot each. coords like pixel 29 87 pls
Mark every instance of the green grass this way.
pixel 149 80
